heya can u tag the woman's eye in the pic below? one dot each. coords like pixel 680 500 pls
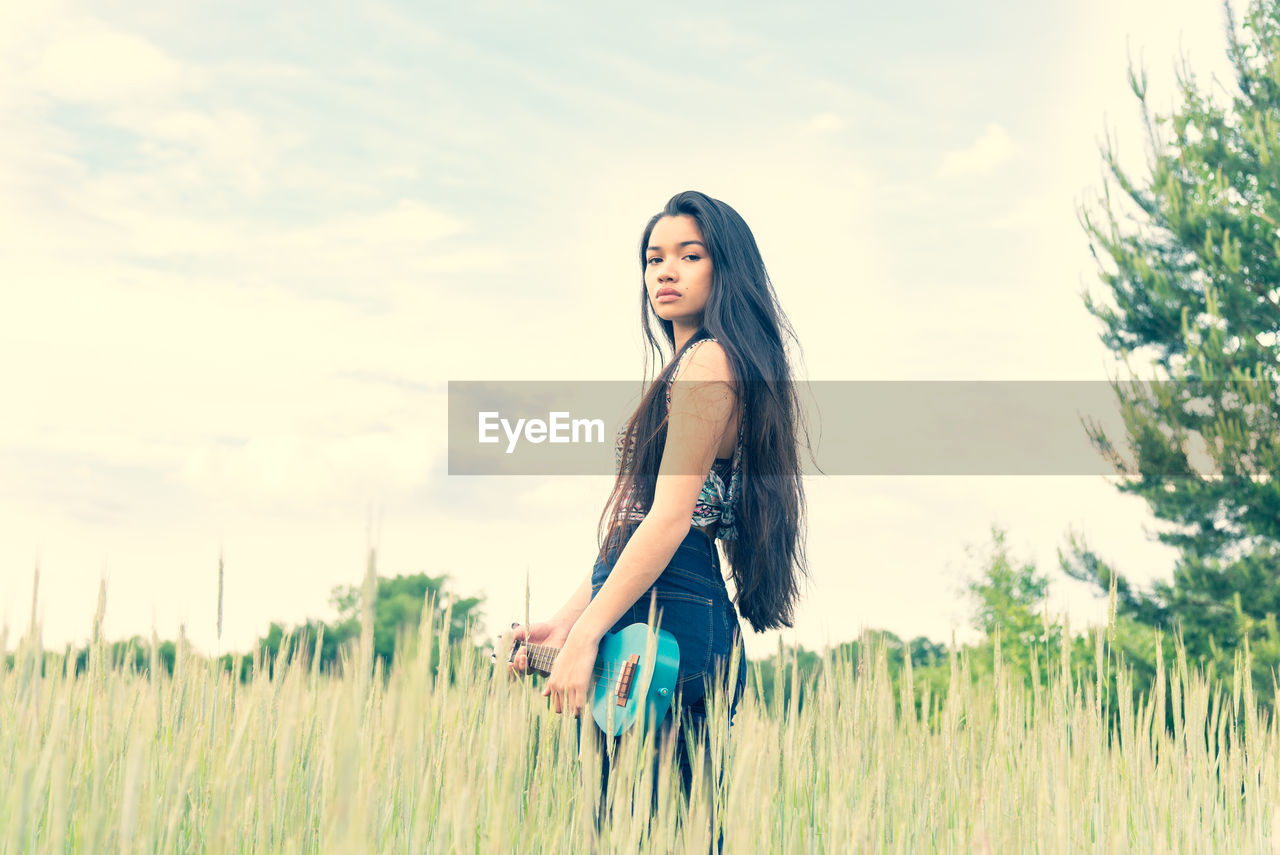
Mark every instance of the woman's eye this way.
pixel 655 258
pixel 691 255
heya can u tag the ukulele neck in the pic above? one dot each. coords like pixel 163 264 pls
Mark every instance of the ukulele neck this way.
pixel 541 657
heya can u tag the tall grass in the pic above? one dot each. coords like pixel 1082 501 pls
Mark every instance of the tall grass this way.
pixel 460 759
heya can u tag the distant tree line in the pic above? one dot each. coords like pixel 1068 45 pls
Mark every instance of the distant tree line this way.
pixel 396 615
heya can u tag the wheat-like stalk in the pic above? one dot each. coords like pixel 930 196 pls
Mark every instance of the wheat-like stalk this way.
pixel 459 758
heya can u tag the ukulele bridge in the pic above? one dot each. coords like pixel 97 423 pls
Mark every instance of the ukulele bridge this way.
pixel 626 678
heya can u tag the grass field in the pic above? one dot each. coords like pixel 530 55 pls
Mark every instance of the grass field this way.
pixel 115 761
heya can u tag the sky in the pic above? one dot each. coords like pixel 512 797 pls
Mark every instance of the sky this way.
pixel 244 250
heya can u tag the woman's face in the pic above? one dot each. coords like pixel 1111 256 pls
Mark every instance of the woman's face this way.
pixel 677 260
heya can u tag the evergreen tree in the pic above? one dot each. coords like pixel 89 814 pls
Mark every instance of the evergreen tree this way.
pixel 1196 284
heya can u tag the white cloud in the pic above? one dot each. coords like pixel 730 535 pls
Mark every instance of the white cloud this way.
pixel 275 467
pixel 409 221
pixel 126 217
pixel 194 148
pixel 987 152
pixel 824 122
pixel 90 62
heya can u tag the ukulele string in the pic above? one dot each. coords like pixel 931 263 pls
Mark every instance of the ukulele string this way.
pixel 608 672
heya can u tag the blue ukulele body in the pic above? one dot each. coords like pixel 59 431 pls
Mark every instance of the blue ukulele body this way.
pixel 631 678
pixel 635 675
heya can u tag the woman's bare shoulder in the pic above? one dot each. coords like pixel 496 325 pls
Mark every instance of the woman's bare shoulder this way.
pixel 709 361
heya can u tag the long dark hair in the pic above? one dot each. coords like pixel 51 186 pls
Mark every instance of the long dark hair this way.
pixel 742 313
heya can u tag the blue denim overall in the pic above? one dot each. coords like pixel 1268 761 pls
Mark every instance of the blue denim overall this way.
pixel 694 606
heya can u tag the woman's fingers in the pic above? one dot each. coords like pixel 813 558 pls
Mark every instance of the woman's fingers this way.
pixel 565 702
pixel 520 662
pixel 556 696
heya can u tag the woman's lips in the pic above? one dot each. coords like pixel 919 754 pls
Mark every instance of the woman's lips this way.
pixel 667 298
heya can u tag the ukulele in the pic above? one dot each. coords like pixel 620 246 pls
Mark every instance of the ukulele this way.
pixel 628 678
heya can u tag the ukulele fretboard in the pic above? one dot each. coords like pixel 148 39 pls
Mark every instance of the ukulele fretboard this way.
pixel 541 656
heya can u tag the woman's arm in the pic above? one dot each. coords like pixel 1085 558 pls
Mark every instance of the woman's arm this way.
pixel 701 410
pixel 646 555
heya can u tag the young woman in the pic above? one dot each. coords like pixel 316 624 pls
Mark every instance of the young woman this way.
pixel 713 456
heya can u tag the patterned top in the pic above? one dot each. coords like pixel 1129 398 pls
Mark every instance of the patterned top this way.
pixel 720 491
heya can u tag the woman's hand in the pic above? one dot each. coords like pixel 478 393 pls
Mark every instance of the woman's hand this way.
pixel 545 632
pixel 571 675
